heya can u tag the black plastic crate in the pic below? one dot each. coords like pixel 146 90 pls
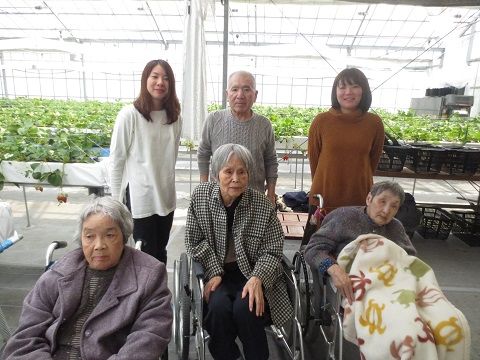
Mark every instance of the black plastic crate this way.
pixel 393 158
pixel 436 223
pixel 427 159
pixel 469 238
pixel 462 161
pixel 467 227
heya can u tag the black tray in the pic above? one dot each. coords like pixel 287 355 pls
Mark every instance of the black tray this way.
pixel 462 161
pixel 436 223
pixel 427 159
pixel 393 157
pixel 467 227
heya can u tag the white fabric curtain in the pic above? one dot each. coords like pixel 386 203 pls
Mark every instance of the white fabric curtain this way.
pixel 194 95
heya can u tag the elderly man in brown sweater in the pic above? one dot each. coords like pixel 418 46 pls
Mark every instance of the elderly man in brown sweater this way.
pixel 345 224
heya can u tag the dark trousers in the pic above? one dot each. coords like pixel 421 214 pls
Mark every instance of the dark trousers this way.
pixel 154 232
pixel 227 316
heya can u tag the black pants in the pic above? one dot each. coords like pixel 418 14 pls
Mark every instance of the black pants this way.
pixel 154 231
pixel 227 316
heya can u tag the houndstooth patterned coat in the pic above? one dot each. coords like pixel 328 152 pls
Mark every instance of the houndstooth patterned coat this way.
pixel 258 238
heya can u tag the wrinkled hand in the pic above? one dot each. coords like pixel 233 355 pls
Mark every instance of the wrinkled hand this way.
pixel 211 286
pixel 363 245
pixel 341 281
pixel 253 288
pixel 273 198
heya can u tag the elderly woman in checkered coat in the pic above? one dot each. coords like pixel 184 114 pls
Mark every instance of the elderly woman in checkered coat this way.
pixel 234 232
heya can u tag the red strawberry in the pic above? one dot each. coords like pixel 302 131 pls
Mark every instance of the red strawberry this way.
pixel 62 198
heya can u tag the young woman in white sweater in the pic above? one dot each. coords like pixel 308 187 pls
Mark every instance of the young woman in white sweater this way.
pixel 143 153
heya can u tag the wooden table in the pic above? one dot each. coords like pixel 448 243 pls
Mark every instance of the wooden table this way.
pixel 293 224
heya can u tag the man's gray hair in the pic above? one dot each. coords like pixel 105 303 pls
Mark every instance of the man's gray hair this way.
pixel 118 212
pixel 243 73
pixel 391 186
pixel 222 155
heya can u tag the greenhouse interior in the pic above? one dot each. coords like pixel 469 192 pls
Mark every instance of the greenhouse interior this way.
pixel 69 67
pixel 96 50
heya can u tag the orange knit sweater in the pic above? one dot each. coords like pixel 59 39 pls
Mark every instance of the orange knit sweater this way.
pixel 344 151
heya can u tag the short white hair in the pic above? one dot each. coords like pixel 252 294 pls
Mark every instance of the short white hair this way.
pixel 242 73
pixel 106 205
pixel 222 155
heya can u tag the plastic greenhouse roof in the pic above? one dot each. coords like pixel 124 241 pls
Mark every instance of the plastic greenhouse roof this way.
pixel 368 30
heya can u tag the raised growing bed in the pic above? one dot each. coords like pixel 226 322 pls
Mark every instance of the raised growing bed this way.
pixel 76 174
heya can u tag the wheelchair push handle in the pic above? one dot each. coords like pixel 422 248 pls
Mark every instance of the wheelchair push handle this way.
pixel 5 244
pixel 320 200
pixel 138 244
pixel 51 248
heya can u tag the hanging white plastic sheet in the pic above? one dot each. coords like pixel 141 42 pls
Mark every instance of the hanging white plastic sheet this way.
pixel 6 221
pixel 194 96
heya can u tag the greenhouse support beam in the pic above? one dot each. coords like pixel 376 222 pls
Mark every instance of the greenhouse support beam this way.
pixel 84 80
pixel 225 52
pixel 26 206
pixel 4 76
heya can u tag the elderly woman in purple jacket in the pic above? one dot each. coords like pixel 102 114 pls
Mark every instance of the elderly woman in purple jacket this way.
pixel 103 301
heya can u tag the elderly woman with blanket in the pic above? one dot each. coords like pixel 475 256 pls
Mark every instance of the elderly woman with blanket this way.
pixel 345 224
pixel 393 305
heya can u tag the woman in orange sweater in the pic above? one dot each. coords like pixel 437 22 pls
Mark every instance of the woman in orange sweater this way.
pixel 344 146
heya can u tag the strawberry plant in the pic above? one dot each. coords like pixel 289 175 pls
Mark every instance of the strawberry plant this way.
pixel 40 130
pixel 54 178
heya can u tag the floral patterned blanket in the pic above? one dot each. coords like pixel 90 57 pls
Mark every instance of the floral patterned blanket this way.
pixel 399 310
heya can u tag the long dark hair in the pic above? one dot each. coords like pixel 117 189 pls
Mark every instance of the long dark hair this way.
pixel 353 76
pixel 143 103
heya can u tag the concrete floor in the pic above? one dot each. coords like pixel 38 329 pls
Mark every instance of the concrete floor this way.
pixel 456 264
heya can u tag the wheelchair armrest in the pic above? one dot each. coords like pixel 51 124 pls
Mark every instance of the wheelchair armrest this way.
pixel 197 269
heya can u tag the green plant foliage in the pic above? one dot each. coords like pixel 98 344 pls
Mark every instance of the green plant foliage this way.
pixel 54 178
pixel 289 121
pixel 410 127
pixel 54 130
pixel 403 125
pixel 72 131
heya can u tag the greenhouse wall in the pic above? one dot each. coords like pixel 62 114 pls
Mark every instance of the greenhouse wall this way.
pixel 112 73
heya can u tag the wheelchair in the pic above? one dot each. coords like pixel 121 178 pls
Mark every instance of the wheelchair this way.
pixel 137 245
pixel 5 332
pixel 188 311
pixel 321 311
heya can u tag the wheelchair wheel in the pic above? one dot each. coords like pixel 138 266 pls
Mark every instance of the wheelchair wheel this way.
pixel 290 334
pixel 304 278
pixel 182 305
pixel 197 315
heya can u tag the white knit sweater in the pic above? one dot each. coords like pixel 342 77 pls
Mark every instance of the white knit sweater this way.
pixel 143 154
